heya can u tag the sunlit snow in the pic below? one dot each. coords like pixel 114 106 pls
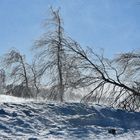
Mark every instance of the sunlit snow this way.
pixel 22 119
pixel 12 99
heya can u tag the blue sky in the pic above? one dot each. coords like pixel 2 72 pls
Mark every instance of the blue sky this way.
pixel 113 25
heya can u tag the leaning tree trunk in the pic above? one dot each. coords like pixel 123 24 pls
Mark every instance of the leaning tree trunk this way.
pixel 27 90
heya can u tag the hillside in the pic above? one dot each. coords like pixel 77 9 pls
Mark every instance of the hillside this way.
pixel 33 120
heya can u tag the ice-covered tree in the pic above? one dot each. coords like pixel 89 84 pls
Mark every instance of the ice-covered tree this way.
pixel 54 57
pixel 18 73
pixel 106 79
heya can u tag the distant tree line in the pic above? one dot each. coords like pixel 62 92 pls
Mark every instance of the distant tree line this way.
pixel 62 65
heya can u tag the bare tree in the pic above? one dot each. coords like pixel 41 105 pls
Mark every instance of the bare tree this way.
pixel 17 67
pixel 105 78
pixel 35 78
pixel 68 65
pixel 54 57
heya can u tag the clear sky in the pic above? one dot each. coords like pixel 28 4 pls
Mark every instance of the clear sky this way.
pixel 113 25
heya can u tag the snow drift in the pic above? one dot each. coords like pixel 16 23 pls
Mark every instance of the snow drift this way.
pixel 66 121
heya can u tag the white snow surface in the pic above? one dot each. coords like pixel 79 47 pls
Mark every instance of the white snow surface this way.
pixel 12 99
pixel 22 119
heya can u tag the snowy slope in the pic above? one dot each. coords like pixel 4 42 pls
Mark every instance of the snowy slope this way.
pixel 65 121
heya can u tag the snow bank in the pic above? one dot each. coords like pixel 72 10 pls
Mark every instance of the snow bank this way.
pixel 66 121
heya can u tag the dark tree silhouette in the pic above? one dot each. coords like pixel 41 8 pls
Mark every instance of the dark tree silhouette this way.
pixel 105 78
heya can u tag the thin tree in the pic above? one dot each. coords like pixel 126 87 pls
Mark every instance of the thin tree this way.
pixel 56 59
pixel 17 67
pixel 35 78
pixel 52 56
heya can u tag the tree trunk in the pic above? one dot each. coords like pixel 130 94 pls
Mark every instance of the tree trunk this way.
pixel 25 76
pixel 59 62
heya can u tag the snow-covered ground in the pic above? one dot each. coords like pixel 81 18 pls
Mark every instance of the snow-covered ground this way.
pixel 33 120
pixel 12 99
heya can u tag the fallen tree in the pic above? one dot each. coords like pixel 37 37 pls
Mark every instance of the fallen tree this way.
pixel 106 78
